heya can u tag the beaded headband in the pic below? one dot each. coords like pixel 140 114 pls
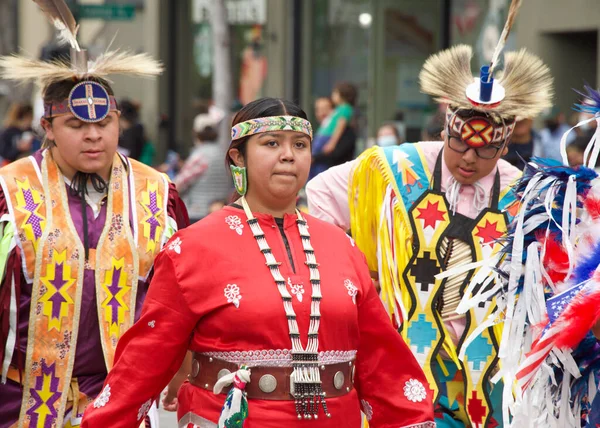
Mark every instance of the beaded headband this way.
pixel 271 123
pixel 478 129
pixel 88 101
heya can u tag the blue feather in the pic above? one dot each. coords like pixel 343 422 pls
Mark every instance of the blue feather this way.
pixel 591 103
pixel 586 266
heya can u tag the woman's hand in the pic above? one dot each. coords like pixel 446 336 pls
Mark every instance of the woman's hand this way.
pixel 169 401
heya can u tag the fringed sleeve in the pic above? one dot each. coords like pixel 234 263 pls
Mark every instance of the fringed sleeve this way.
pixel 381 228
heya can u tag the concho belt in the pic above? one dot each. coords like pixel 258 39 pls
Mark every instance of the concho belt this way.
pixel 270 383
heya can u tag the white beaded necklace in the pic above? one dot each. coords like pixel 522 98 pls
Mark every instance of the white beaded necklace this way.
pixel 305 379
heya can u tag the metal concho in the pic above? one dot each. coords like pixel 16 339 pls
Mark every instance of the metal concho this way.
pixel 267 383
pixel 223 372
pixel 338 380
pixel 195 368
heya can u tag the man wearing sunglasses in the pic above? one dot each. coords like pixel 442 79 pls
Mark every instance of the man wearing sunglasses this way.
pixel 423 209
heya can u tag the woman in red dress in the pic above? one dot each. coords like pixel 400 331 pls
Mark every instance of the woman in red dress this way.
pixel 277 307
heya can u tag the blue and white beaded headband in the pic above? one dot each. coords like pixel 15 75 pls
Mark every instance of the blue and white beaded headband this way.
pixel 88 101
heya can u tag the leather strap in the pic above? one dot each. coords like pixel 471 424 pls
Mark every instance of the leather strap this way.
pixel 270 383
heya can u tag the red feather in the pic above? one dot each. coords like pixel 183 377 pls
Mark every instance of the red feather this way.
pixel 578 318
pixel 556 259
pixel 592 206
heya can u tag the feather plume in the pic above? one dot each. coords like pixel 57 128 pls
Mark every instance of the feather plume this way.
pixel 123 62
pixel 446 75
pixel 528 85
pixel 23 69
pixel 510 19
pixel 61 17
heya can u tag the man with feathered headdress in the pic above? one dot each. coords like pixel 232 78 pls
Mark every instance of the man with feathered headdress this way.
pixel 424 214
pixel 80 226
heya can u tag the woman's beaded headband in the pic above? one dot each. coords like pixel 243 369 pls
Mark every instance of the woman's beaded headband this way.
pixel 271 123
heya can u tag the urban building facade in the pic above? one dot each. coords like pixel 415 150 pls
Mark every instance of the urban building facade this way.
pixel 299 49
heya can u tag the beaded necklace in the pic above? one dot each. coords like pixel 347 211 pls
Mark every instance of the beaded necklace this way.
pixel 305 380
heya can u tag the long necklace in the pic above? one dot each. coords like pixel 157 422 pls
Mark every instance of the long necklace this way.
pixel 305 379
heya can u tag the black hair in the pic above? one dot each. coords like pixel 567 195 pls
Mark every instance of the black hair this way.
pixel 130 111
pixel 348 92
pixel 208 135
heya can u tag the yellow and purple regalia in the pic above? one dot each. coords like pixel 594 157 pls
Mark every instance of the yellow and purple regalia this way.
pixel 66 313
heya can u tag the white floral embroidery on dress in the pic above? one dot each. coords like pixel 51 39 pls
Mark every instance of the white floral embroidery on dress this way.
pixel 296 289
pixel 235 223
pixel 175 245
pixel 152 323
pixel 367 409
pixel 352 290
pixel 103 398
pixel 232 292
pixel 414 391
pixel 144 409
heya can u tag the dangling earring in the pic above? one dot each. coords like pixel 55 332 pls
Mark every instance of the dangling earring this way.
pixel 240 179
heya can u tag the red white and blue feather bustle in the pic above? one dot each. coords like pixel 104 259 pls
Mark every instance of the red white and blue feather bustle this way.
pixel 547 284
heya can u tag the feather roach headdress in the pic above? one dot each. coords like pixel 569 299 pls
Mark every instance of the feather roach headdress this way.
pixel 523 89
pixel 89 100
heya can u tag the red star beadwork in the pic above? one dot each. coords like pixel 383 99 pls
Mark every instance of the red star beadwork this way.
pixel 430 214
pixel 488 233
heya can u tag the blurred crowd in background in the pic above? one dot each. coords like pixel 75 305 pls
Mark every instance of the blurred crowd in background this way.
pixel 205 183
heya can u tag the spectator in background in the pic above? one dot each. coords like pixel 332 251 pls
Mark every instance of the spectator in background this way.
pixel 550 136
pixel 323 110
pixel 400 125
pixel 522 142
pixel 133 137
pixel 203 178
pixel 434 127
pixel 334 143
pixel 575 154
pixel 17 139
pixel 388 135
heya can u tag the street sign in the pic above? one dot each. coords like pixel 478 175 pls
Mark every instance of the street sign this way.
pixel 106 12
pixel 238 11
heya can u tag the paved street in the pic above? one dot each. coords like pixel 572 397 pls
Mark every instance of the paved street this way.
pixel 167 419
